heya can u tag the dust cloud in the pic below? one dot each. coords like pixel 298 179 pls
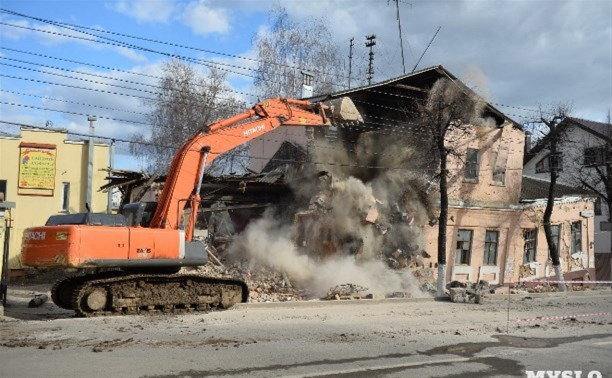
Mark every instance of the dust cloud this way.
pixel 358 221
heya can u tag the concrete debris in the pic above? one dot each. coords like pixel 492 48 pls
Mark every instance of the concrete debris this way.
pixel 38 300
pixel 348 291
pixel 462 292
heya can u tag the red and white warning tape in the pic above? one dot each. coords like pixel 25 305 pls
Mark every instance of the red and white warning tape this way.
pixel 562 317
pixel 566 282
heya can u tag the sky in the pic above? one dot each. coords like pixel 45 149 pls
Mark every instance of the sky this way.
pixel 519 55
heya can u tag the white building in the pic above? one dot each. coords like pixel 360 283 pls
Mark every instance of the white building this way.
pixel 585 149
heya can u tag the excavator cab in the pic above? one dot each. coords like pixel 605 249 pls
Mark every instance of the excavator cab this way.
pixel 139 213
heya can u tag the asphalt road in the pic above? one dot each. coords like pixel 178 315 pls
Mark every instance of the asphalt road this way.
pixel 388 338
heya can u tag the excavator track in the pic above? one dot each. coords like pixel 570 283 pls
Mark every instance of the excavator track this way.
pixel 62 290
pixel 118 293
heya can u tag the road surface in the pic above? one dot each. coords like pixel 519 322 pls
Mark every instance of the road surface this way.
pixel 380 338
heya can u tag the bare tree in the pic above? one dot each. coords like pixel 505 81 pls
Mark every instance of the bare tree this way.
pixel 555 136
pixel 447 115
pixel 185 104
pixel 290 47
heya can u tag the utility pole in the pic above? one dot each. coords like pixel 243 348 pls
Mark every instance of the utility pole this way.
pixel 111 158
pixel 91 120
pixel 371 42
pixel 350 62
pixel 399 26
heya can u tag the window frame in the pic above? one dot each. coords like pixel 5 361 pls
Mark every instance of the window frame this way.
pixel 526 257
pixel 472 166
pixel 486 255
pixel 594 156
pixel 547 164
pixel 3 190
pixel 65 198
pixel 576 240
pixel 459 257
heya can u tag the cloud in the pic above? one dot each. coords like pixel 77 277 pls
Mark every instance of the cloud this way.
pixel 131 54
pixel 205 19
pixel 146 11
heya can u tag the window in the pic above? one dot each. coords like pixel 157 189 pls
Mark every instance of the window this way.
pixel 3 190
pixel 556 234
pixel 597 206
pixel 65 197
pixel 490 251
pixel 544 165
pixel 499 173
pixel 597 155
pixel 531 238
pixel 464 247
pixel 471 164
pixel 576 236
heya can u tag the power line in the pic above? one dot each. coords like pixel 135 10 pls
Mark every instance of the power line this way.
pixel 73 102
pixel 72 26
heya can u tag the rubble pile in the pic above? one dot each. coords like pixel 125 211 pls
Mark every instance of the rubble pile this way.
pixel 265 284
pixel 348 291
pixel 462 292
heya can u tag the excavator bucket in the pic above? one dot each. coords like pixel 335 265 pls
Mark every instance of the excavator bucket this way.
pixel 343 110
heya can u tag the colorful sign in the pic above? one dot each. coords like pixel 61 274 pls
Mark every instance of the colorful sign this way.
pixel 37 168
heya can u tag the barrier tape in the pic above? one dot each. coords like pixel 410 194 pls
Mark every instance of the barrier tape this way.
pixel 566 282
pixel 562 317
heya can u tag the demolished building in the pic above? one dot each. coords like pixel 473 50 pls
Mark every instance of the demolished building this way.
pixel 329 202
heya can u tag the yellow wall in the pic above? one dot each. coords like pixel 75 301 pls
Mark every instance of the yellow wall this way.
pixel 71 166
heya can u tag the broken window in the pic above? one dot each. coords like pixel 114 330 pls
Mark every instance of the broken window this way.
pixel 544 165
pixel 471 164
pixel 490 252
pixel 530 236
pixel 576 236
pixel 596 155
pixel 556 234
pixel 499 173
pixel 464 247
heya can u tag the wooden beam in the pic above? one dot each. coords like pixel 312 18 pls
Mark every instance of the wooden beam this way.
pixel 410 88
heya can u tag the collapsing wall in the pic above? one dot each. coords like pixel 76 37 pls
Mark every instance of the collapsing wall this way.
pixel 357 220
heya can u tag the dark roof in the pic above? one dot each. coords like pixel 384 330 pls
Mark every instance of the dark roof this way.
pixel 416 84
pixel 599 129
pixel 533 189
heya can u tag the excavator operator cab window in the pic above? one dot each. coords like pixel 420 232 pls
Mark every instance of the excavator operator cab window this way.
pixel 139 213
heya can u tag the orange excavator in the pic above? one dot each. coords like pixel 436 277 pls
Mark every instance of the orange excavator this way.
pixel 148 243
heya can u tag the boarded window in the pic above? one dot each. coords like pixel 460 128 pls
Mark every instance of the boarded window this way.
pixel 576 236
pixel 471 164
pixel 464 247
pixel 531 237
pixel 65 197
pixel 491 243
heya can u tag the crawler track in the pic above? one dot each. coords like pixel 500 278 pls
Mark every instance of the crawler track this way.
pixel 118 293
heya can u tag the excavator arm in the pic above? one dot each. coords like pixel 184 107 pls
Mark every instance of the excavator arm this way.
pixel 186 171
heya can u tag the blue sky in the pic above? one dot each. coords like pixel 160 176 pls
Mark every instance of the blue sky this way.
pixel 516 53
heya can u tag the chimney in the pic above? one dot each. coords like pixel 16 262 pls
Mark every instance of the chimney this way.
pixel 307 83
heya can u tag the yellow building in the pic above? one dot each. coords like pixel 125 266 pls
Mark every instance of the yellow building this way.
pixel 45 173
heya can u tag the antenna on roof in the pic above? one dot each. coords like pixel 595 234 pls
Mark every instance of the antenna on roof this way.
pixel 426 48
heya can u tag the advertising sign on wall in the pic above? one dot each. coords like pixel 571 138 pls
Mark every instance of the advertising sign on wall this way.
pixel 37 168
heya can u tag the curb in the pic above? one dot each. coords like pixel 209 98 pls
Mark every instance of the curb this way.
pixel 326 303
